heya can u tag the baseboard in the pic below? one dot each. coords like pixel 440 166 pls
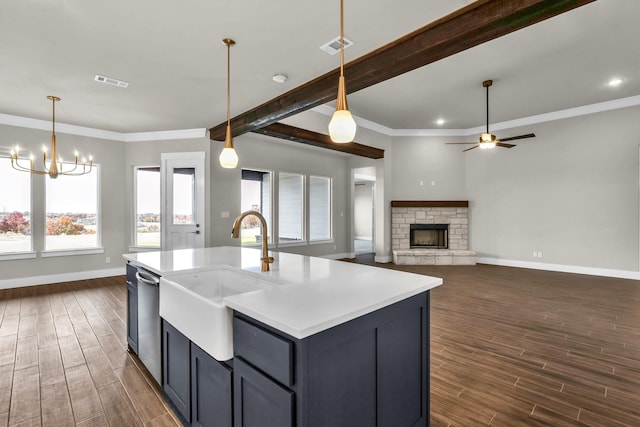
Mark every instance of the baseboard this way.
pixel 591 271
pixel 382 259
pixel 338 256
pixel 57 278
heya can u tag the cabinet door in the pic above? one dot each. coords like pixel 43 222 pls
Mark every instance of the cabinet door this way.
pixel 176 369
pixel 258 400
pixel 132 316
pixel 403 369
pixel 210 390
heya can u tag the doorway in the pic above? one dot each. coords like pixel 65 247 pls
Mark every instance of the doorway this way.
pixel 182 200
pixel 363 213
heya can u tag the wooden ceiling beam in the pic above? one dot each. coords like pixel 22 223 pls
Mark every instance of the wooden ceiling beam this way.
pixel 477 23
pixel 304 136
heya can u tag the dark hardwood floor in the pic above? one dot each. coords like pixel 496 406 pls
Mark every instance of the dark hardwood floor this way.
pixel 509 347
pixel 63 359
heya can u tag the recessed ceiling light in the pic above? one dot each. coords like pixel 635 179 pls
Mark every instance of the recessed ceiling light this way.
pixel 615 82
pixel 111 81
pixel 280 78
pixel 440 122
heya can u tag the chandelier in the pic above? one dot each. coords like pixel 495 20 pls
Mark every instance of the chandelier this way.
pixel 55 166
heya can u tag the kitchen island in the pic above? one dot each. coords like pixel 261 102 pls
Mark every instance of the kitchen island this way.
pixel 323 343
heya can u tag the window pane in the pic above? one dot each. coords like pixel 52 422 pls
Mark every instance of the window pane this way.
pixel 290 207
pixel 255 195
pixel 147 207
pixel 319 208
pixel 72 211
pixel 15 209
pixel 184 181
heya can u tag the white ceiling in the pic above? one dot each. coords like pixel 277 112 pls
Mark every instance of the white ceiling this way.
pixel 171 53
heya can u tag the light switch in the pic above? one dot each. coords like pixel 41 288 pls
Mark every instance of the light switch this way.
pixel 224 214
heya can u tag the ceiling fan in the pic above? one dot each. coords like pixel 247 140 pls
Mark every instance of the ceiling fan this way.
pixel 489 140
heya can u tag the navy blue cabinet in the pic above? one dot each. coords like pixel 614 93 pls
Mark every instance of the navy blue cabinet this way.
pixel 198 386
pixel 259 400
pixel 211 397
pixel 371 371
pixel 132 308
pixel 176 369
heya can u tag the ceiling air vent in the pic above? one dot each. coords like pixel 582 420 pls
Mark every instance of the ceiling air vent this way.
pixel 110 81
pixel 333 46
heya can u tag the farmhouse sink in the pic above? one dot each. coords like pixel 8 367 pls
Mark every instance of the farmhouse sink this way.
pixel 194 304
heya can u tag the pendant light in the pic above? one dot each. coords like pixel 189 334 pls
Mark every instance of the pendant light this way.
pixel 342 127
pixel 228 157
pixel 56 166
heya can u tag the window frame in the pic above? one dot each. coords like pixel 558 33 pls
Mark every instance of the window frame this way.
pixel 30 253
pixel 303 214
pixel 134 204
pixel 329 211
pixel 47 253
pixel 271 220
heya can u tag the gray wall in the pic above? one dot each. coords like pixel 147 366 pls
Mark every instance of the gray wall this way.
pixel 572 193
pixel 424 168
pixel 270 154
pixel 148 154
pixel 109 155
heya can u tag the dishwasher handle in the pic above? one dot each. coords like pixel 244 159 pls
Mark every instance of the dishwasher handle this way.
pixel 147 278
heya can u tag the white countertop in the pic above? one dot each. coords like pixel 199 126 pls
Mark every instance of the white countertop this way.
pixel 310 294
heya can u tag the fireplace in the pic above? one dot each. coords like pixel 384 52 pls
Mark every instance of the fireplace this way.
pixel 431 236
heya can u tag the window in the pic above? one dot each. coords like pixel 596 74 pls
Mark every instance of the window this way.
pixel 184 202
pixel 290 207
pixel 72 212
pixel 319 208
pixel 256 195
pixel 15 209
pixel 147 208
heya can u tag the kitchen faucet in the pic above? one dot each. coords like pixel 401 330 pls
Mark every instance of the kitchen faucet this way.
pixel 235 233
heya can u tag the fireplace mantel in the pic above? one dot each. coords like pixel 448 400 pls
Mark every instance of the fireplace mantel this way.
pixel 429 203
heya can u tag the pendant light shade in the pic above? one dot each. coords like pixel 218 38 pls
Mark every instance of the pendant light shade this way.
pixel 228 158
pixel 342 127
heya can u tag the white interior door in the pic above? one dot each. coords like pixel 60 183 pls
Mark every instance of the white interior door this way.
pixel 183 200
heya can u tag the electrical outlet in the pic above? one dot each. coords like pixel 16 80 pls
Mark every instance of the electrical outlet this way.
pixel 539 254
pixel 108 260
pixel 535 254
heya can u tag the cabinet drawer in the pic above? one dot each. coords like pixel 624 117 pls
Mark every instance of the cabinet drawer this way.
pixel 266 351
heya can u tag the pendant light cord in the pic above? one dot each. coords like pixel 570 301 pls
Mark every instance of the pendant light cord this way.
pixel 228 84
pixel 341 38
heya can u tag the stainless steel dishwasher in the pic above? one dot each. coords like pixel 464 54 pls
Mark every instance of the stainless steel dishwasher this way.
pixel 149 335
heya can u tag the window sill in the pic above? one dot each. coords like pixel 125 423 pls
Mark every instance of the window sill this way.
pixel 289 244
pixel 71 252
pixel 17 255
pixel 320 242
pixel 144 248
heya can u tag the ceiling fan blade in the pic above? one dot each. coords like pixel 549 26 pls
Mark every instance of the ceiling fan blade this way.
pixel 460 142
pixel 529 135
pixel 476 146
pixel 500 144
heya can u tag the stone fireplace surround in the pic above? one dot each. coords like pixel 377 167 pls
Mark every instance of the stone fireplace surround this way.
pixel 455 213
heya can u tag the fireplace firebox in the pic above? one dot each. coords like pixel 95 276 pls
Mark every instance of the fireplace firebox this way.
pixel 429 236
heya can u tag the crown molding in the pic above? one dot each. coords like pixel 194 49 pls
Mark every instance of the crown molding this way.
pixel 25 122
pixel 584 110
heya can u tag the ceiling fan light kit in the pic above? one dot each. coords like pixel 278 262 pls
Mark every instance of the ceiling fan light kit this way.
pixel 488 140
